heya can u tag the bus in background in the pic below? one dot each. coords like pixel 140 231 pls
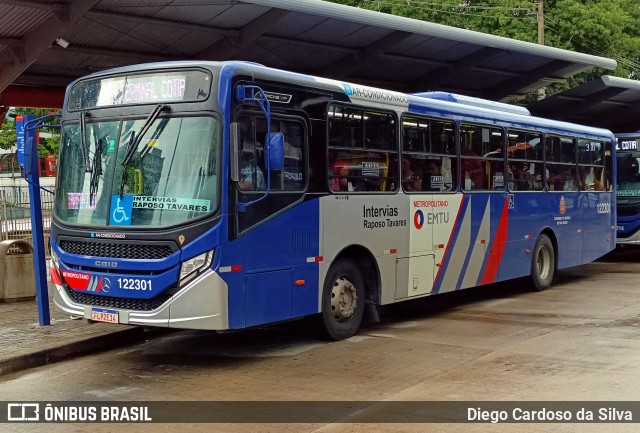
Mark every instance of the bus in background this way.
pixel 628 188
pixel 226 195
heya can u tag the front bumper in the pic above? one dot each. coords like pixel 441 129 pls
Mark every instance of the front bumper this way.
pixel 201 304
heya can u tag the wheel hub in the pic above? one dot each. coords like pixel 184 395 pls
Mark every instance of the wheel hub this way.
pixel 543 260
pixel 343 299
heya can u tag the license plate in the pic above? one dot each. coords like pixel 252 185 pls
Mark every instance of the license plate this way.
pixel 102 315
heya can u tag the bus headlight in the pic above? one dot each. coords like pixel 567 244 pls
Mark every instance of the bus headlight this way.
pixel 190 268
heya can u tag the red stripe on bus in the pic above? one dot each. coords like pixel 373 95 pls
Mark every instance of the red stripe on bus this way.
pixel 497 249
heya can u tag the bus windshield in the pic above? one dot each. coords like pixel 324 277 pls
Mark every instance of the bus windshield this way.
pixel 628 174
pixel 170 178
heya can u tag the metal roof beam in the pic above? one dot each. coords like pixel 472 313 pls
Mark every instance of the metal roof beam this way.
pixel 40 38
pixel 596 98
pixel 420 60
pixel 443 75
pixel 308 44
pixel 136 55
pixel 36 80
pixel 364 57
pixel 138 19
pixel 226 48
pixel 568 106
pixel 15 47
pixel 518 84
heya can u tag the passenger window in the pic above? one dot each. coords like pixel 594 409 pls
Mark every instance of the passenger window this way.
pixel 429 161
pixel 524 161
pixel 481 157
pixel 590 165
pixel 362 150
pixel 560 163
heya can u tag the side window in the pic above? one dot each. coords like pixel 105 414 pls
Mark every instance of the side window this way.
pixel 560 163
pixel 251 134
pixel 287 186
pixel 481 157
pixel 524 161
pixel 362 150
pixel 251 160
pixel 429 161
pixel 591 165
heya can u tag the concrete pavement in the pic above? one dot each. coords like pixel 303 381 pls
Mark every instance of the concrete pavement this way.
pixel 25 344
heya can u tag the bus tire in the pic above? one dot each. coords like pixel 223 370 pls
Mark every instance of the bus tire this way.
pixel 543 263
pixel 343 301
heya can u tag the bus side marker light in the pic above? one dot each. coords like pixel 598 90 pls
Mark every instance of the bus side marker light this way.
pixel 439 264
pixel 315 259
pixel 391 251
pixel 300 282
pixel 234 268
pixel 528 251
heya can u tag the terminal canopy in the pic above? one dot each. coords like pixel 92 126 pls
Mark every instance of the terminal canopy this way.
pixel 50 43
pixel 607 102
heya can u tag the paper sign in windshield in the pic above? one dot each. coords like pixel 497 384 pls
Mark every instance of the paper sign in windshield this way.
pixel 171 203
pixel 80 200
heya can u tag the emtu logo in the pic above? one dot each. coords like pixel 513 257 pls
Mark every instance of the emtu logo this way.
pixel 418 219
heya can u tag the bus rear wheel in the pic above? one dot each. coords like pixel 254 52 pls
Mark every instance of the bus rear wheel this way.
pixel 543 263
pixel 343 299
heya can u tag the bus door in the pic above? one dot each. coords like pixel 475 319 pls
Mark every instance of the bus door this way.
pixel 275 237
pixel 595 202
pixel 415 270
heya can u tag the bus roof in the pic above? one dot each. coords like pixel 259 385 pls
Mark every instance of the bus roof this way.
pixel 434 103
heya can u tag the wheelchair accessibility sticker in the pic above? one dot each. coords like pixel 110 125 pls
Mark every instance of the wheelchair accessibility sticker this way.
pixel 121 210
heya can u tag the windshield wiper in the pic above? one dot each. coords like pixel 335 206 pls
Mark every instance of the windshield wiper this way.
pixel 135 140
pixel 96 171
pixel 83 142
pixel 133 146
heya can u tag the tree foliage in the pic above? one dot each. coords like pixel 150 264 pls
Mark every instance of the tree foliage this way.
pixel 47 146
pixel 7 135
pixel 606 28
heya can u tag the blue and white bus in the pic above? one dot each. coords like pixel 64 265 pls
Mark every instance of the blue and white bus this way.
pixel 628 188
pixel 225 195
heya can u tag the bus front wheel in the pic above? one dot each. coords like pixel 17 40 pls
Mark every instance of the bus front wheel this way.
pixel 543 263
pixel 343 299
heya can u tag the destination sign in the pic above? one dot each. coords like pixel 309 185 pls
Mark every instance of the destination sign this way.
pixel 149 88
pixel 627 145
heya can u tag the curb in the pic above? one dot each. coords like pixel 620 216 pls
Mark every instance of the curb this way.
pixel 74 349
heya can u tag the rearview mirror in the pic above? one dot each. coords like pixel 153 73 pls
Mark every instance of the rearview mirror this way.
pixel 276 150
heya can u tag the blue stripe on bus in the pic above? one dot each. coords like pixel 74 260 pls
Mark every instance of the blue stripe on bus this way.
pixel 477 207
pixel 450 247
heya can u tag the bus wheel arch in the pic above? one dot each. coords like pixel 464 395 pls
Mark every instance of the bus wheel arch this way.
pixel 544 262
pixel 350 283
